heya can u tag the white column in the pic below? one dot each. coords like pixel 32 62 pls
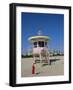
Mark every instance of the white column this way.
pixel 34 58
pixel 37 44
pixel 40 58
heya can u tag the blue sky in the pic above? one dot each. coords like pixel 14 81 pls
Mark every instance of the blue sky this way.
pixel 51 25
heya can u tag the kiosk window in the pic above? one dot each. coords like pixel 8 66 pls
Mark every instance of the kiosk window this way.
pixel 35 44
pixel 45 43
pixel 41 44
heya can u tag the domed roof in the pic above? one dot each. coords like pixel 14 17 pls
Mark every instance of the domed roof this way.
pixel 34 38
pixel 38 37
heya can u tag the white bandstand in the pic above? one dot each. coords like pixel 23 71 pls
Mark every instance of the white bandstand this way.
pixel 40 47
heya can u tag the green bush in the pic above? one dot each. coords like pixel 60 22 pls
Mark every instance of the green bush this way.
pixel 26 56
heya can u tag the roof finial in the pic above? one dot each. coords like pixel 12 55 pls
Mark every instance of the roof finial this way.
pixel 39 32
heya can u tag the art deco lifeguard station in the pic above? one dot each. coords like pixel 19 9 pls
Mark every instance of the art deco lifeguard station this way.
pixel 40 47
